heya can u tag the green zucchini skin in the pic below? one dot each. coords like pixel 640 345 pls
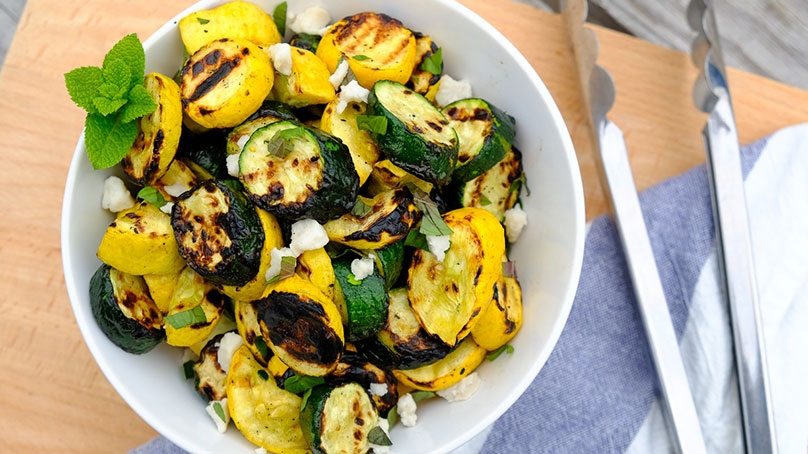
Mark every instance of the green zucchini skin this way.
pixel 496 190
pixel 306 41
pixel 207 216
pixel 208 150
pixel 351 407
pixel 355 367
pixel 390 262
pixel 485 133
pixel 407 141
pixel 130 335
pixel 366 302
pixel 331 196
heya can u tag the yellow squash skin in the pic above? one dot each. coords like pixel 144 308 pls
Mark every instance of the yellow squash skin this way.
pixel 273 238
pixel 235 19
pixel 266 414
pixel 141 241
pixel 158 133
pixel 224 82
pixel 446 372
pixel 315 265
pixel 501 320
pixel 161 287
pixel 364 151
pixel 193 291
pixel 307 84
pixel 376 46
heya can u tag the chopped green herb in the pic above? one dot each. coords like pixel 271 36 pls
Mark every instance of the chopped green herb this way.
pixel 518 183
pixel 262 347
pixel 353 280
pixel 416 239
pixel 372 123
pixel 360 208
pixel 113 97
pixel 433 63
pixel 263 374
pixel 282 143
pixel 507 348
pixel 418 396
pixel 432 222
pixel 297 384
pixel 202 20
pixel 279 17
pixel 288 265
pixel 217 407
pixel 360 57
pixel 379 437
pixel 392 416
pixel 186 317
pixel 151 195
pixel 484 200
pixel 188 369
pixel 304 399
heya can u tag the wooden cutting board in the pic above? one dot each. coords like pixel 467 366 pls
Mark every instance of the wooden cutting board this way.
pixel 52 395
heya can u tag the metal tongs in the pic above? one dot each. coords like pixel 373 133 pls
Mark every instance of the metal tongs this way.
pixel 598 91
pixel 736 264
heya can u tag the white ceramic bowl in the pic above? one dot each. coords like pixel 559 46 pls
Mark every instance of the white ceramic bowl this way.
pixel 548 255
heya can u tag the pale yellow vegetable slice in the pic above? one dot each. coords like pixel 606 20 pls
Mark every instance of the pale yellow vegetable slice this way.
pixel 447 371
pixel 235 19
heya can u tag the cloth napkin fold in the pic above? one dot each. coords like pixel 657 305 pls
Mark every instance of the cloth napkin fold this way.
pixel 598 392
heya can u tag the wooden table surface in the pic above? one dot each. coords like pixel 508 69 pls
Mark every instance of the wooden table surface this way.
pixel 52 395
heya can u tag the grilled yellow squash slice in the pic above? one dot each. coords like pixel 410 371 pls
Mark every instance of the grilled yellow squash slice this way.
pixel 194 310
pixel 501 320
pixel 315 265
pixel 234 19
pixel 266 414
pixel 364 151
pixel 448 296
pixel 307 84
pixel 445 372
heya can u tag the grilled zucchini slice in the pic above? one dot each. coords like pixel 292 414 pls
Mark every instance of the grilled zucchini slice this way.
pixel 307 84
pixel 158 133
pixel 266 414
pixel 418 137
pixel 211 379
pixel 219 233
pixel 388 218
pixel 294 172
pixel 376 46
pixel 365 302
pixel 445 372
pixel 302 326
pixel 390 262
pixel 364 151
pixel 205 152
pixel 383 386
pixel 235 19
pixel 224 82
pixel 194 311
pixel 485 133
pixel 270 112
pixel 338 419
pixel 497 190
pixel 124 311
pixel 141 241
pixel 448 297
pixel 501 320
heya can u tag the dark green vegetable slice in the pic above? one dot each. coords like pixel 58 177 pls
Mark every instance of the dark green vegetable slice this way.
pixel 306 41
pixel 206 151
pixel 390 262
pixel 294 171
pixel 338 419
pixel 219 233
pixel 383 386
pixel 419 138
pixel 485 133
pixel 124 311
pixel 365 301
pixel 497 189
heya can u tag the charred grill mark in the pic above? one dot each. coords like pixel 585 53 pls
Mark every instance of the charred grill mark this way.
pixel 396 224
pixel 213 57
pixel 477 274
pixel 434 126
pixel 219 74
pixel 357 34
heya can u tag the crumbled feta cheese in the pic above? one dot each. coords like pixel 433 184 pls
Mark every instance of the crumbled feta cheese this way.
pixel 307 235
pixel 451 90
pixel 340 73
pixel 378 389
pixel 351 92
pixel 176 189
pixel 515 222
pixel 116 197
pixel 438 245
pixel 281 55
pixel 232 164
pixel 261 450
pixel 379 449
pixel 313 21
pixel 406 410
pixel 221 425
pixel 167 207
pixel 362 268
pixel 463 389
pixel 276 256
pixel 228 345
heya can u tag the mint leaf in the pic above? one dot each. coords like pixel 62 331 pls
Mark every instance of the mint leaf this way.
pixel 107 139
pixel 202 20
pixel 416 239
pixel 188 369
pixel 360 208
pixel 432 222
pixel 297 384
pixel 279 17
pixel 378 436
pixel 82 86
pixel 117 75
pixel 262 347
pixel 217 407
pixel 187 317
pixel 140 103
pixel 129 50
pixel 433 64
pixel 372 123
pixel 107 106
pixel 418 396
pixel 360 57
pixel 152 195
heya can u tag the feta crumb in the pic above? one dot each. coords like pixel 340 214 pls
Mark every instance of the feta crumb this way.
pixel 313 20
pixel 232 164
pixel 362 268
pixel 378 389
pixel 515 222
pixel 176 189
pixel 276 256
pixel 228 345
pixel 351 92
pixel 116 197
pixel 340 73
pixel 451 90
pixel 167 207
pixel 438 245
pixel 463 389
pixel 379 449
pixel 406 410
pixel 281 55
pixel 261 450
pixel 307 235
pixel 221 425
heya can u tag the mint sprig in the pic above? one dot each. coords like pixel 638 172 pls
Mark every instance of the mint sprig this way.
pixel 114 97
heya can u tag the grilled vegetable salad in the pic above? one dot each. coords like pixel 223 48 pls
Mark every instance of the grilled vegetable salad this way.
pixel 319 234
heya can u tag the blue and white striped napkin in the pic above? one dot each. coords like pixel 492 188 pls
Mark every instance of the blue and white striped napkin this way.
pixel 598 392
